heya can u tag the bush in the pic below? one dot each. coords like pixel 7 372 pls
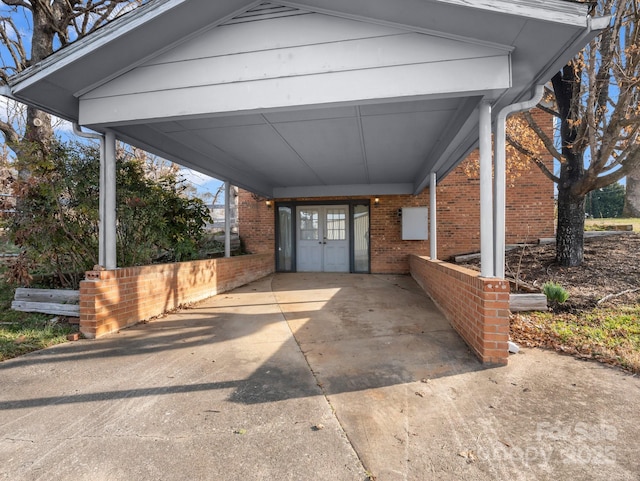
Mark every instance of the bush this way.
pixel 56 223
pixel 555 292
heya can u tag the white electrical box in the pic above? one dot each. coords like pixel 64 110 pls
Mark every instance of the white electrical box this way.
pixel 415 223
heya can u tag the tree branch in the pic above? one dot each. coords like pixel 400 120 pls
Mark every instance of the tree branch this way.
pixel 542 135
pixel 13 44
pixel 533 157
pixel 548 110
pixel 10 135
pixel 17 3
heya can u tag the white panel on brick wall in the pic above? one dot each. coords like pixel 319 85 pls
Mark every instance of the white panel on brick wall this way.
pixel 415 223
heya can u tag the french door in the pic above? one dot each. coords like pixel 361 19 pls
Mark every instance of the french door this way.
pixel 322 238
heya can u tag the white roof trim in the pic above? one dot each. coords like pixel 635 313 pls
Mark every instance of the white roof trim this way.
pixel 558 11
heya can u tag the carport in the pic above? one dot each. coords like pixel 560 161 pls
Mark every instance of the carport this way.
pixel 316 98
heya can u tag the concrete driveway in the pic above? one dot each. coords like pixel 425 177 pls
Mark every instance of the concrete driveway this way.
pixel 311 376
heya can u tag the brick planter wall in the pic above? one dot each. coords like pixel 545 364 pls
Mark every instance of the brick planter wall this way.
pixel 112 300
pixel 476 307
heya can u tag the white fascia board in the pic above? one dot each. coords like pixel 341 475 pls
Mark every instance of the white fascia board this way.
pixel 556 11
pixel 342 190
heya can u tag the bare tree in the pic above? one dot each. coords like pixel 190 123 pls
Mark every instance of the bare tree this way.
pixel 53 25
pixel 596 99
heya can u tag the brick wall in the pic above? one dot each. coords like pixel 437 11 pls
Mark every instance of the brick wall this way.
pixel 114 299
pixel 530 215
pixel 479 310
pixel 256 223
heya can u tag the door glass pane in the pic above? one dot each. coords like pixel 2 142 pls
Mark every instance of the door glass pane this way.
pixel 284 239
pixel 336 224
pixel 361 238
pixel 309 228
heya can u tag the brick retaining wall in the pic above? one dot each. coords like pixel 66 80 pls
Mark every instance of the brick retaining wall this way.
pixel 476 307
pixel 114 299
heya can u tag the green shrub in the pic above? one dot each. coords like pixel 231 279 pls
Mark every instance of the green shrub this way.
pixel 56 223
pixel 555 292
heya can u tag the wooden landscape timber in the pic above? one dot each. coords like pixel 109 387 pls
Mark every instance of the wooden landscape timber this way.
pixel 527 302
pixel 61 302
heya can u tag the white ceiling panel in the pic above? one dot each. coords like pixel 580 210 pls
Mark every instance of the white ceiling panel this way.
pixel 400 143
pixel 259 148
pixel 327 145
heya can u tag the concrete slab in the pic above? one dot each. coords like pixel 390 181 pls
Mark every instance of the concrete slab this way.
pixel 417 405
pixel 217 392
pixel 224 391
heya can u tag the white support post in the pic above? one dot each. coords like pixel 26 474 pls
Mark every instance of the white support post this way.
pixel 500 203
pixel 101 206
pixel 486 193
pixel 500 180
pixel 433 233
pixel 109 189
pixel 227 219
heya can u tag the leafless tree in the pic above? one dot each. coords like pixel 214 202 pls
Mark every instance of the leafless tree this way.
pixel 596 100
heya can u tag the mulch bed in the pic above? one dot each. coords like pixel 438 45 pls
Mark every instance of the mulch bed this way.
pixel 611 266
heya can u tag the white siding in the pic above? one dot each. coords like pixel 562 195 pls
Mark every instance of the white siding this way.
pixel 293 61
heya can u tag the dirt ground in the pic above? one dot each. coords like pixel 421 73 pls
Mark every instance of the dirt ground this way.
pixel 611 266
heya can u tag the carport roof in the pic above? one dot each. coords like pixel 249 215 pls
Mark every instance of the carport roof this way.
pixel 312 98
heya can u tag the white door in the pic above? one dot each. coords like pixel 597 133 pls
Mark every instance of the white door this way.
pixel 323 238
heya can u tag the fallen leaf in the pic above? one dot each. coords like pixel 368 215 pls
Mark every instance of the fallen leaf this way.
pixel 470 456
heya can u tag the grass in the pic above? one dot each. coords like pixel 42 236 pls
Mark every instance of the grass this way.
pixel 23 332
pixel 593 224
pixel 610 335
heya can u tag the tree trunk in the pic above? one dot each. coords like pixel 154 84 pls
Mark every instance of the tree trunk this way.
pixel 571 194
pixel 632 194
pixel 39 130
pixel 570 233
pixel 571 211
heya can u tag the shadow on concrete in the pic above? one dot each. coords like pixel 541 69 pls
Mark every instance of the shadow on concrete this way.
pixel 354 332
